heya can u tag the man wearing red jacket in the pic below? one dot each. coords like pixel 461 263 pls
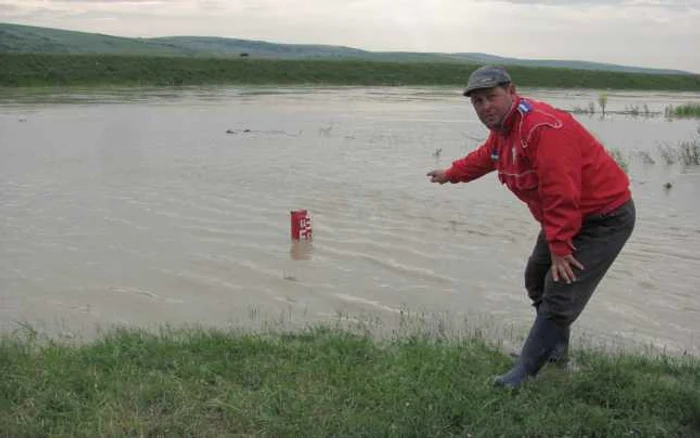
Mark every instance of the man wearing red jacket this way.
pixel 574 189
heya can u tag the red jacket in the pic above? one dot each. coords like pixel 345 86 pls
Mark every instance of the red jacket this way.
pixel 554 165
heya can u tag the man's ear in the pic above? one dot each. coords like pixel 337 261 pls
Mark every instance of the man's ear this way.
pixel 511 89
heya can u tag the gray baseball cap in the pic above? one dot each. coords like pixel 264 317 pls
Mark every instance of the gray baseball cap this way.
pixel 488 76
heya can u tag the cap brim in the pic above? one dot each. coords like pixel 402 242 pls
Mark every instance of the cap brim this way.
pixel 469 91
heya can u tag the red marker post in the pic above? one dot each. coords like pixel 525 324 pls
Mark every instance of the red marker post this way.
pixel 301 225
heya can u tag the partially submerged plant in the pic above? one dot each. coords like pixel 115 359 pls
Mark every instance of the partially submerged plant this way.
pixel 603 102
pixel 668 111
pixel 668 154
pixel 587 110
pixel 686 152
pixel 632 110
pixel 591 107
pixel 646 157
pixel 689 153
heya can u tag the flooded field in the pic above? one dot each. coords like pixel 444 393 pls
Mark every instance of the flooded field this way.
pixel 171 206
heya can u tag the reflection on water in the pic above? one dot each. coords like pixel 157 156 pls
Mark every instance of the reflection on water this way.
pixel 301 250
pixel 153 206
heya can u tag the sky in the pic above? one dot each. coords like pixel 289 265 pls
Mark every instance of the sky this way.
pixel 645 33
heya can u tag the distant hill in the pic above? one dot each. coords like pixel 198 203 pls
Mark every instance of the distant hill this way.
pixel 15 38
pixel 28 39
pixel 483 58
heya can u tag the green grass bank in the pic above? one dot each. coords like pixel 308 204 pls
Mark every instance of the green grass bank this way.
pixel 326 382
pixel 22 70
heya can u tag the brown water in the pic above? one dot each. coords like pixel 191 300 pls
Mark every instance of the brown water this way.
pixel 137 207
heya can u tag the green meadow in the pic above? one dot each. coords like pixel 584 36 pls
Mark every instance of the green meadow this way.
pixel 26 70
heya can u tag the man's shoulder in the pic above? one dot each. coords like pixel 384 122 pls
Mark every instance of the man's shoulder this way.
pixel 536 111
pixel 537 114
pixel 528 105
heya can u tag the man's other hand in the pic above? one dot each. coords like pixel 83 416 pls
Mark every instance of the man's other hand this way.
pixel 562 267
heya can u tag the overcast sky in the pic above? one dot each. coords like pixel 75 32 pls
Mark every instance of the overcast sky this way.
pixel 648 33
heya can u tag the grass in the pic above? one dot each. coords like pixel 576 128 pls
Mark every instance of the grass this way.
pixel 22 70
pixel 325 382
pixel 684 111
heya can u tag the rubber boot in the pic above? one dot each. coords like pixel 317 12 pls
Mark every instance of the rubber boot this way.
pixel 544 336
pixel 560 354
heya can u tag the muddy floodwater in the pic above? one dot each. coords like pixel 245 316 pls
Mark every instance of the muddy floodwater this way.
pixel 146 207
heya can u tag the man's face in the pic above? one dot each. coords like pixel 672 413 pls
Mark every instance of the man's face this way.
pixel 492 105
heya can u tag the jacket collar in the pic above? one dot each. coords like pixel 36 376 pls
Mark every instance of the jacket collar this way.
pixel 512 116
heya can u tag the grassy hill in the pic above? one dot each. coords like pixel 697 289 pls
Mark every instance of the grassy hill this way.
pixel 28 39
pixel 15 38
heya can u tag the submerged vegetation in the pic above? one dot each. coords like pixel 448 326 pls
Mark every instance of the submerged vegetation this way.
pixel 689 110
pixel 329 382
pixel 686 153
pixel 72 70
pixel 681 111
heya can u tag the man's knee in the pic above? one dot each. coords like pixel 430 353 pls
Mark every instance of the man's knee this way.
pixel 561 315
pixel 564 302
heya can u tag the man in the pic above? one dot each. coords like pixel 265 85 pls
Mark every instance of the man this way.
pixel 573 188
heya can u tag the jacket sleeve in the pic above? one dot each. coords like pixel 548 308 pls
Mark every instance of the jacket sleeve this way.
pixel 476 164
pixel 557 159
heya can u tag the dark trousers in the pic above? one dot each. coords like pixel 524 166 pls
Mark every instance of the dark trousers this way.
pixel 597 245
